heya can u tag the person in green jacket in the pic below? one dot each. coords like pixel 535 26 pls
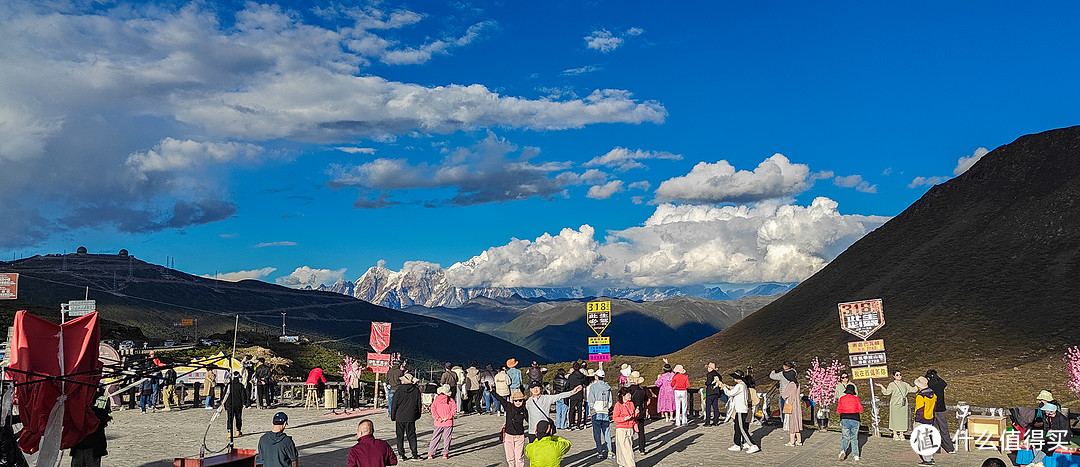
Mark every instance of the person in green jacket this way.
pixel 548 449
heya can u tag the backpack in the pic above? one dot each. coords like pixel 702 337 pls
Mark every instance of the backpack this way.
pixel 754 398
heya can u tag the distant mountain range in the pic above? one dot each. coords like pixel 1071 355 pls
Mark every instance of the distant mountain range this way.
pixel 424 284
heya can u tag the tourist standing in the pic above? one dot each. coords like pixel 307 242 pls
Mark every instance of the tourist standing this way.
pixel 393 379
pixel 599 401
pixel 89 451
pixel 792 406
pixel 146 393
pixel 640 397
pixel 235 400
pixel 368 451
pixel 247 372
pixel 576 379
pixel 898 405
pixel 665 400
pixel 514 428
pixel 680 384
pixel 536 374
pixel 276 449
pixel 925 401
pixel 712 395
pixel 514 374
pixel 208 383
pixel 625 416
pixel 168 389
pixel 261 381
pixel 443 409
pixel 405 413
pixel 502 384
pixel 538 405
pixel 472 389
pixel 487 382
pixel 738 396
pixel 562 406
pixel 845 380
pixel 548 449
pixel 449 378
pixel 850 409
pixel 941 422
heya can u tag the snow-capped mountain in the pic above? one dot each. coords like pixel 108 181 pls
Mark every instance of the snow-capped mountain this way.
pixel 425 284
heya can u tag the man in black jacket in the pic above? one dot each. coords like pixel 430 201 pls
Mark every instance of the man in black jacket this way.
pixel 940 421
pixel 404 412
pixel 712 395
pixel 90 450
pixel 574 379
pixel 640 397
pixel 262 384
pixel 235 403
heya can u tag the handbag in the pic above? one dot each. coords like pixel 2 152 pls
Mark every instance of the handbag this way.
pixel 787 409
pixel 542 411
pixel 502 433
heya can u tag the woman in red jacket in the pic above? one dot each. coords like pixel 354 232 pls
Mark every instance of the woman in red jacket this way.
pixel 625 418
pixel 680 383
pixel 850 409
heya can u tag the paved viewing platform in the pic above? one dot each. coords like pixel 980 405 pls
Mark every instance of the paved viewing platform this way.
pixel 156 438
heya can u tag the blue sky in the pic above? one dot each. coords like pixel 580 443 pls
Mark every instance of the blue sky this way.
pixel 538 144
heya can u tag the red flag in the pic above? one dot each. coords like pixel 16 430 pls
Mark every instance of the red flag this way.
pixel 380 336
pixel 35 353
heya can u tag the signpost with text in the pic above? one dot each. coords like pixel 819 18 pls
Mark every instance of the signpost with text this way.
pixel 9 285
pixel 863 318
pixel 598 317
pixel 379 362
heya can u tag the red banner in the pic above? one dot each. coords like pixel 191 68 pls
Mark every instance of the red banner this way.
pixel 378 362
pixel 380 336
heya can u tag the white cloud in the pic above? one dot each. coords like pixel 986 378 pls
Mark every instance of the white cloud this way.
pixel 677 245
pixel 926 181
pixel 775 177
pixel 594 177
pixel 603 40
pixel 305 276
pixel 485 173
pixel 177 155
pixel 965 163
pixel 582 70
pixel 263 245
pixel 635 32
pixel 623 159
pixel 355 150
pixel 257 274
pixel 605 191
pixel 642 185
pixel 856 182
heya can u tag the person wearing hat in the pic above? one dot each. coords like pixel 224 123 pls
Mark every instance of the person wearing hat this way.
pixel 1055 431
pixel 665 399
pixel 925 401
pixel 235 400
pixel 449 378
pixel 737 397
pixel 680 384
pixel 576 379
pixel 443 409
pixel 538 405
pixel 599 401
pixel 1042 399
pixel 850 409
pixel 405 412
pixel 368 451
pixel 276 449
pixel 782 377
pixel 513 373
pixel 898 404
pixel 640 397
pixel 514 428
pixel 941 421
pixel 791 405
pixel 393 379
pixel 712 395
pixel 547 449
pixel 624 373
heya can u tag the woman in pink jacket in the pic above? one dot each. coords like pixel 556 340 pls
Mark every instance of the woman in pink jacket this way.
pixel 443 409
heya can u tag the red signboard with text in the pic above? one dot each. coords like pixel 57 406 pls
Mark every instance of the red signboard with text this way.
pixel 9 285
pixel 378 362
pixel 380 336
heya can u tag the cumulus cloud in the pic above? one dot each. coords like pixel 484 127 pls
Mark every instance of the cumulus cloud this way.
pixel 154 103
pixel 356 150
pixel 623 159
pixel 605 191
pixel 965 163
pixel 926 181
pixel 605 41
pixel 262 245
pixel 678 245
pixel 775 177
pixel 594 177
pixel 305 276
pixel 642 185
pixel 257 274
pixel 856 182
pixel 485 173
pixel 581 70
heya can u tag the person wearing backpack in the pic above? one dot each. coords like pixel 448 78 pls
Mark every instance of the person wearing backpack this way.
pixel 599 401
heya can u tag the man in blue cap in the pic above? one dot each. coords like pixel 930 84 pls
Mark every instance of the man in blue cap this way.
pixel 276 449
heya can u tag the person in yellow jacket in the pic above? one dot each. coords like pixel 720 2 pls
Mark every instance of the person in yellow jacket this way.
pixel 925 400
pixel 548 449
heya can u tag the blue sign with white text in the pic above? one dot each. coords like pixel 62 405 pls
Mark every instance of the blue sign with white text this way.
pixel 599 349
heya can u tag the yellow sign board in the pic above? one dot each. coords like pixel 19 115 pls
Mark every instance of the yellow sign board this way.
pixel 597 306
pixel 870 372
pixel 601 340
pixel 876 345
pixel 187 322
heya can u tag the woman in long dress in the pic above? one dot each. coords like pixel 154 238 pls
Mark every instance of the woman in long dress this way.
pixel 665 401
pixel 898 405
pixel 790 394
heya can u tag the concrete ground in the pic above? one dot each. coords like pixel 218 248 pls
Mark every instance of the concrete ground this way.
pixel 155 439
